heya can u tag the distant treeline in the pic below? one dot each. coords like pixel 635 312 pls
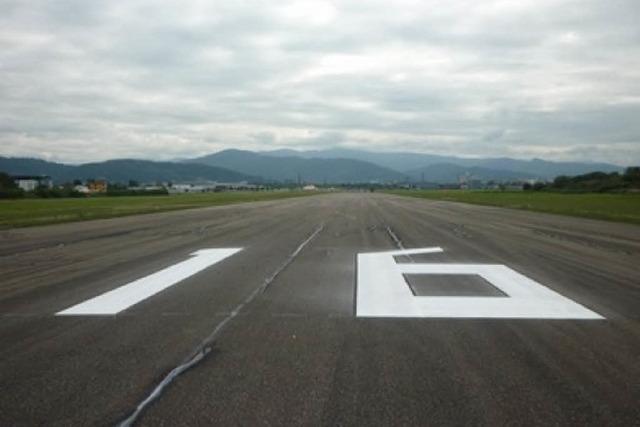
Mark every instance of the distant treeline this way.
pixel 10 190
pixel 597 182
pixel 123 190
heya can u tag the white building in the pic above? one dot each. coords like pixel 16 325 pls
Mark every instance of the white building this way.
pixel 185 188
pixel 212 186
pixel 31 182
pixel 82 189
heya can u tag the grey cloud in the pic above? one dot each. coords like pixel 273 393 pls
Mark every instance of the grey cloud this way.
pixel 323 139
pixel 266 138
pixel 494 135
pixel 138 79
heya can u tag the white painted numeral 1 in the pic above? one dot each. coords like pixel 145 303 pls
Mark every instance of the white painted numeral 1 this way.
pixel 125 296
pixel 383 292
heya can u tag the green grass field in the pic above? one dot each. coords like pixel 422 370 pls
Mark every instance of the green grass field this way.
pixel 611 207
pixel 29 212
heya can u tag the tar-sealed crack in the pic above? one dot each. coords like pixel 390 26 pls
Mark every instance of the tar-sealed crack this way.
pixel 289 260
pixel 205 347
pixel 398 242
pixel 395 238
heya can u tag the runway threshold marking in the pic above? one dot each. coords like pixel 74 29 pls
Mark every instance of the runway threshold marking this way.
pixel 123 297
pixel 383 292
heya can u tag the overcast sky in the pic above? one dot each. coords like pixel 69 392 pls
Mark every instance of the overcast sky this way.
pixel 91 80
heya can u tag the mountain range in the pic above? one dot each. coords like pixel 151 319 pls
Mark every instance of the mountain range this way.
pixel 294 168
pixel 331 166
pixel 405 161
pixel 344 165
pixel 122 170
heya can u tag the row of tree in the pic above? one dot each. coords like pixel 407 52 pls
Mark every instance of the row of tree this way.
pixel 593 182
pixel 10 190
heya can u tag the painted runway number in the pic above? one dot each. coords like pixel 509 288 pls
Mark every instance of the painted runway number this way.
pixel 116 300
pixel 382 289
pixel 383 292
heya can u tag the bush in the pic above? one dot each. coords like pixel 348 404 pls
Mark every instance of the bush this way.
pixel 66 191
pixel 8 188
pixel 599 181
pixel 125 192
pixel 11 193
pixel 632 176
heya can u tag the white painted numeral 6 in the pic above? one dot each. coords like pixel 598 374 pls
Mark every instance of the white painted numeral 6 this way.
pixel 383 292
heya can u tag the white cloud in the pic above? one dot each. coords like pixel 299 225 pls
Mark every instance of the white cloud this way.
pixel 315 13
pixel 556 79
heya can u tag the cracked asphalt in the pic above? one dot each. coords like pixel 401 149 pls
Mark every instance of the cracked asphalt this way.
pixel 296 354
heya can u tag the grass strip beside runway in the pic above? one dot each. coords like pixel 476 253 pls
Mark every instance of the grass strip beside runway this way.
pixel 610 207
pixel 31 212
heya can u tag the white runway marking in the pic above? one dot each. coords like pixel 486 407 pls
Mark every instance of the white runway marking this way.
pixel 125 296
pixel 383 292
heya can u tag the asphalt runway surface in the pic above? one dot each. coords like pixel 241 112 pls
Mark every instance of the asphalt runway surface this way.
pixel 270 336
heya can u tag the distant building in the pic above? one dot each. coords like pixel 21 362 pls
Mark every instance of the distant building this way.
pixel 31 182
pixel 147 188
pixel 81 189
pixel 213 186
pixel 186 188
pixel 97 186
pixel 310 187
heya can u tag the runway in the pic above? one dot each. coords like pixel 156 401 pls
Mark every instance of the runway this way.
pixel 285 320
